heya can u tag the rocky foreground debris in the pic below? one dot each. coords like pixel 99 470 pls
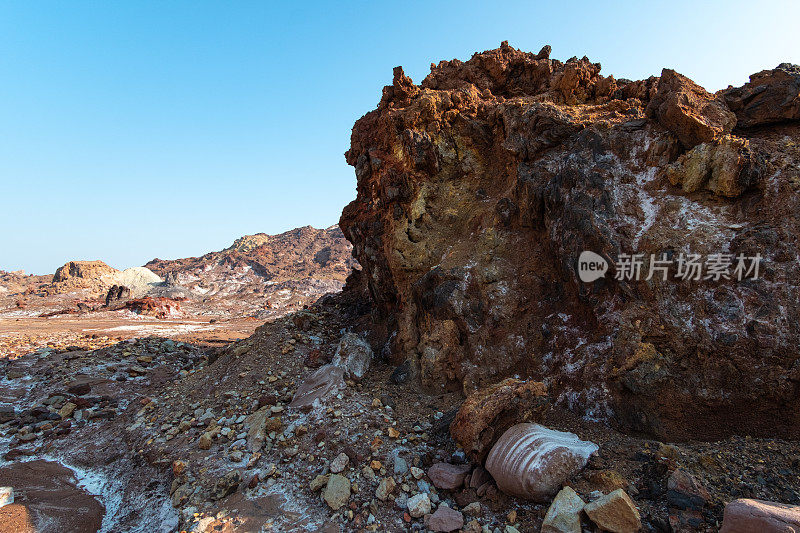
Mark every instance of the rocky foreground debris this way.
pixel 209 439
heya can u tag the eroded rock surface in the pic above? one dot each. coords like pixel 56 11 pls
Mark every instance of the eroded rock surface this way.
pixel 488 413
pixel 771 96
pixel 479 188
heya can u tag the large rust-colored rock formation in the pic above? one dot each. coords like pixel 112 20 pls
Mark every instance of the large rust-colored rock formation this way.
pixel 479 188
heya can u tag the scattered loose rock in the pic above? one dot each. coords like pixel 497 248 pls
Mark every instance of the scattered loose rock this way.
pixel 337 491
pixel 448 476
pixel 564 514
pixel 419 505
pixel 226 485
pixel 614 512
pixel 385 488
pixel 339 463
pixel 446 519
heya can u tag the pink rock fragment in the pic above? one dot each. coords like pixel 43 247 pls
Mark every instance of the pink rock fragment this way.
pixel 318 386
pixel 447 476
pixel 747 516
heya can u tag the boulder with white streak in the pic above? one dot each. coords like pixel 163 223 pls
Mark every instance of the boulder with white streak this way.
pixel 532 461
pixel 317 386
pixel 353 355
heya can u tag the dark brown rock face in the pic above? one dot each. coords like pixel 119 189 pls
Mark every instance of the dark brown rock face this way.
pixel 116 294
pixel 771 96
pixel 688 111
pixel 479 188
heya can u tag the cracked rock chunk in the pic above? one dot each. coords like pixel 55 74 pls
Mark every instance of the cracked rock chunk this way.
pixel 564 514
pixel 353 355
pixel 318 386
pixel 614 512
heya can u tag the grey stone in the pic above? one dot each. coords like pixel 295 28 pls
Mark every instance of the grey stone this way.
pixel 419 505
pixel 353 355
pixel 337 491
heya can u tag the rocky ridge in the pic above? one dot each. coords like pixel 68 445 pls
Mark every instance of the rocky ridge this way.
pixel 255 260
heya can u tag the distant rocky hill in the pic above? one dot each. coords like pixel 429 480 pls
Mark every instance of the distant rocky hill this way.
pixel 18 281
pixel 305 259
pixel 96 277
pixel 258 275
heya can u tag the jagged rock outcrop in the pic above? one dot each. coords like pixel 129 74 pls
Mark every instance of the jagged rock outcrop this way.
pixel 117 294
pixel 689 111
pixel 479 188
pixel 86 270
pixel 771 96
pixel 96 278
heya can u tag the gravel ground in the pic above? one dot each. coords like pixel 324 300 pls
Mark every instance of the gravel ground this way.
pixel 164 425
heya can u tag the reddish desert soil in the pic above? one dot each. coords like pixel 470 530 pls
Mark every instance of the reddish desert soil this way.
pixel 47 500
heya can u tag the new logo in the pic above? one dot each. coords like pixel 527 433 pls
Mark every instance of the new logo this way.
pixel 591 266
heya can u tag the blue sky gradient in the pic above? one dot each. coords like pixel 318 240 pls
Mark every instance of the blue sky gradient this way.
pixel 134 130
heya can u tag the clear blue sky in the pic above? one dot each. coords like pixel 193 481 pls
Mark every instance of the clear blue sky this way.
pixel 132 130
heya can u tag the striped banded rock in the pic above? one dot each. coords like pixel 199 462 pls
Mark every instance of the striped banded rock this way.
pixel 532 461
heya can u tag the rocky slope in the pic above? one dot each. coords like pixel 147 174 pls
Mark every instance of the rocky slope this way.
pixel 275 272
pixel 257 259
pixel 479 188
pixel 172 436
